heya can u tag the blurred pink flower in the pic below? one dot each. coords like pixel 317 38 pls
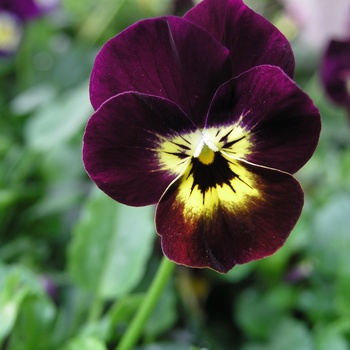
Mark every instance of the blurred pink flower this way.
pixel 319 21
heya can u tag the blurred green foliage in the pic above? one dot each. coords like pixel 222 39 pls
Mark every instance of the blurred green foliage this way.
pixel 74 265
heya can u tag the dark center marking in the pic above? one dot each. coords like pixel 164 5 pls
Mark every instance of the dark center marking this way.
pixel 207 176
pixel 229 144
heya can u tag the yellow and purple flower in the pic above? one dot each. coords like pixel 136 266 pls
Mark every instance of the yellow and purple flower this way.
pixel 200 116
pixel 11 31
pixel 13 15
pixel 309 17
pixel 335 72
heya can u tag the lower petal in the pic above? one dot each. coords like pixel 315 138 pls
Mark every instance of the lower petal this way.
pixel 246 217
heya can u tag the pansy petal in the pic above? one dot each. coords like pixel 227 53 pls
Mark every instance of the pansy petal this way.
pixel 335 72
pixel 169 57
pixel 267 118
pixel 241 213
pixel 126 152
pixel 251 39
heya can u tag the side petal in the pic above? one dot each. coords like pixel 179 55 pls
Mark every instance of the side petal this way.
pixel 167 57
pixel 251 39
pixel 247 218
pixel 126 149
pixel 277 122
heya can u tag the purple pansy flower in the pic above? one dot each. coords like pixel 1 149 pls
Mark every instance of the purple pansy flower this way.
pixel 200 116
pixel 318 21
pixel 13 15
pixel 335 72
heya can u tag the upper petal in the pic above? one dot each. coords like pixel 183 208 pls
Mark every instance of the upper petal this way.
pixel 227 213
pixel 251 39
pixel 269 120
pixel 132 147
pixel 167 57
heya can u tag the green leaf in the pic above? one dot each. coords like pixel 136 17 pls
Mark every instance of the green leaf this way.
pixel 342 292
pixel 331 239
pixel 317 301
pixel 11 298
pixel 62 169
pixel 85 343
pixel 32 98
pixel 326 337
pixel 117 318
pixel 289 334
pixel 124 309
pixel 59 120
pixel 34 326
pixel 239 272
pixel 7 197
pixel 168 346
pixel 253 306
pixel 111 246
pixel 25 310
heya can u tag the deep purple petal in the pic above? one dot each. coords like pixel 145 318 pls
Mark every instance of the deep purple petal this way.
pixel 167 57
pixel 122 147
pixel 335 72
pixel 251 39
pixel 28 9
pixel 233 225
pixel 280 123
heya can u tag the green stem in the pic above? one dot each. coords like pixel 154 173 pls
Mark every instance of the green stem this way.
pixel 96 309
pixel 134 330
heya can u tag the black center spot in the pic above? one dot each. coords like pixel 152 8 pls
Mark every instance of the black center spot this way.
pixel 207 176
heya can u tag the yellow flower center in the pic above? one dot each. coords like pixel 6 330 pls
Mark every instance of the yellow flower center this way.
pixel 207 155
pixel 211 169
pixel 176 153
pixel 10 32
pixel 205 151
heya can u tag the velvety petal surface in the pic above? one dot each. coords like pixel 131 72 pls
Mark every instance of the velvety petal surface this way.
pixel 251 39
pixel 230 214
pixel 167 57
pixel 133 147
pixel 335 72
pixel 265 119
